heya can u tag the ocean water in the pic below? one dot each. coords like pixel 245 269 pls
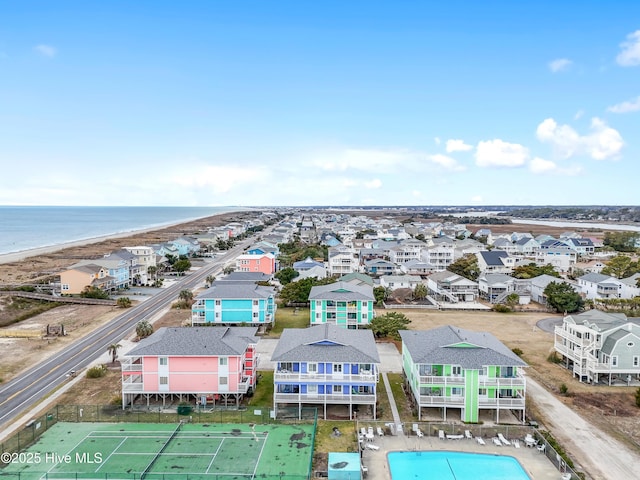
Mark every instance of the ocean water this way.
pixel 25 228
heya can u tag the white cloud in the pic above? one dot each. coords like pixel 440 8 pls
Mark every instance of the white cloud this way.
pixel 445 162
pixel 360 159
pixel 541 166
pixel 559 65
pixel 457 146
pixel 46 50
pixel 217 178
pixel 630 53
pixel 601 143
pixel 437 140
pixel 626 107
pixel 375 183
pixel 498 153
pixel 578 115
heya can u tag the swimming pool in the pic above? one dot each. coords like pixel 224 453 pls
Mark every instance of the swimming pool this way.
pixel 454 466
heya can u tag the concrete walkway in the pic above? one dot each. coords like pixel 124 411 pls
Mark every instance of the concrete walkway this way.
pixel 392 402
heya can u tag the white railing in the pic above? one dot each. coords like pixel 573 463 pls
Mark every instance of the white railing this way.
pixel 323 377
pixel 132 386
pixel 441 380
pixel 426 400
pixel 517 381
pixel 324 398
pixel 516 402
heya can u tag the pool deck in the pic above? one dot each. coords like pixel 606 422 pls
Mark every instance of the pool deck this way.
pixel 537 466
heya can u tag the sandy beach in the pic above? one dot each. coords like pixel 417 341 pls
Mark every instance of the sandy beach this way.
pixel 38 263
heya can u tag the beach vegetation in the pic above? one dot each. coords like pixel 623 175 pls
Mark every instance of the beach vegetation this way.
pixel 97 371
pixel 466 267
pixel 113 351
pixel 621 266
pixel 381 294
pixel 94 292
pixel 298 292
pixel 389 324
pixel 286 275
pixel 182 265
pixel 563 298
pixel 123 302
pixel 532 270
pixel 209 280
pixel 143 329
pixel 420 292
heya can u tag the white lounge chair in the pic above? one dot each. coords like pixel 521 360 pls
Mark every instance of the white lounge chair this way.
pixel 455 437
pixel 380 432
pixel 419 433
pixel 467 434
pixel 496 441
pixel 363 431
pixel 480 441
pixel 503 439
pixel 371 446
pixel 441 434
pixel 414 427
pixel 516 443
pixel 541 448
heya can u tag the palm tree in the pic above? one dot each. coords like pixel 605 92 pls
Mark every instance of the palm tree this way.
pixel 113 350
pixel 210 279
pixel 152 270
pixel 186 296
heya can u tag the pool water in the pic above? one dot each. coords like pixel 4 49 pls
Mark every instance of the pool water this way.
pixel 454 466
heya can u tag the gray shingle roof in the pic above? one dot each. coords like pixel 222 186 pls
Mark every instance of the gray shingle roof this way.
pixel 494 257
pixel 594 277
pixel 341 291
pixel 438 346
pixel 240 290
pixel 326 343
pixel 196 341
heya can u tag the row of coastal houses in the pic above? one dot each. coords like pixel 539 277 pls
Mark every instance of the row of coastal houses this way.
pixel 448 369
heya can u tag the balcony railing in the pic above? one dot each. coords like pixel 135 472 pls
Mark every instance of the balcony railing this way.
pixel 441 401
pixel 324 398
pixel 510 402
pixel 517 381
pixel 441 379
pixel 281 376
pixel 458 401
pixel 132 386
pixel 131 367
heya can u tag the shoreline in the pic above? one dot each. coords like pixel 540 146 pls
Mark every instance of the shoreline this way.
pixel 185 227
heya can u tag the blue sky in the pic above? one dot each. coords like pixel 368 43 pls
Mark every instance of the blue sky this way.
pixel 319 103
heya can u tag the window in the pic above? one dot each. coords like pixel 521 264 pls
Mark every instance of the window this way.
pixel 217 302
pixel 630 344
pixel 482 392
pixel 331 315
pixel 337 368
pixel 352 316
pixel 163 361
pixel 312 367
pixel 337 389
pixel 65 286
pixel 456 392
pixel 318 303
pixel 255 303
pixel 223 381
pixel 614 361
pixel 456 370
pixel 223 361
pixel 636 361
pixel 164 380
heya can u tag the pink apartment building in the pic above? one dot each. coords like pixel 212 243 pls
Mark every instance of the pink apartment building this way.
pixel 264 263
pixel 205 365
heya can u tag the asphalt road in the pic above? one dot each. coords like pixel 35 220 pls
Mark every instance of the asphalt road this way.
pixel 28 388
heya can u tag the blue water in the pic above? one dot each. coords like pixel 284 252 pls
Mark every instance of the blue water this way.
pixel 24 228
pixel 454 466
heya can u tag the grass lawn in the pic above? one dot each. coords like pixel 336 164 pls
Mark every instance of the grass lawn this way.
pixel 327 442
pixel 384 408
pixel 289 317
pixel 406 415
pixel 263 395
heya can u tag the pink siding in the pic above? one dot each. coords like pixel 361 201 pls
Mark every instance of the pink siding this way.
pixel 192 374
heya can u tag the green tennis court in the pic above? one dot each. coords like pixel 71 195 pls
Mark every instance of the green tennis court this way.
pixel 167 451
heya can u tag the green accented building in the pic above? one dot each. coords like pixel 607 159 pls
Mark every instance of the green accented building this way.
pixel 341 303
pixel 449 368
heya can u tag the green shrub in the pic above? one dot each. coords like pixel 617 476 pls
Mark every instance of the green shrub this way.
pixel 97 371
pixel 637 396
pixel 554 357
pixel 500 308
pixel 517 351
pixel 564 389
